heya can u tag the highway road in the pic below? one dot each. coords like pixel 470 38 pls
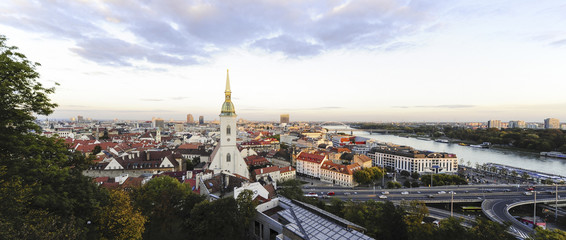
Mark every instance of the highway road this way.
pixel 496 199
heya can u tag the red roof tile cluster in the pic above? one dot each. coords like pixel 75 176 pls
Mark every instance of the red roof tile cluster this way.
pixel 266 170
pixel 345 169
pixel 255 160
pixel 309 157
pixel 286 169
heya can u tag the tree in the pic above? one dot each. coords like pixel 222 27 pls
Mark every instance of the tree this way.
pixel 118 219
pixel 544 234
pixel 61 194
pixel 97 149
pixel 219 219
pixel 416 212
pixel 22 95
pixel 160 200
pixel 415 175
pixel 291 189
pixel 246 207
pixel 485 229
pixel 451 228
pixel 362 176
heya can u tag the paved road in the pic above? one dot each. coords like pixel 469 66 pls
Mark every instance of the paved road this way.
pixel 495 198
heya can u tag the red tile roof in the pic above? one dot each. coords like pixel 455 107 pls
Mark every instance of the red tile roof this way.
pixel 315 158
pixel 345 169
pixel 266 170
pixel 286 169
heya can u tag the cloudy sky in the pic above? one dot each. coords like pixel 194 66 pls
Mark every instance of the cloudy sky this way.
pixel 375 60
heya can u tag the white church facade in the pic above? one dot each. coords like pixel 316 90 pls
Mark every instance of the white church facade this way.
pixel 226 156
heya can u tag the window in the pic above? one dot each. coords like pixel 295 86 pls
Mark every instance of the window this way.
pixel 228 129
pixel 228 157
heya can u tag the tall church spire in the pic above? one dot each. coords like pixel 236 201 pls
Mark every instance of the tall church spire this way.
pixel 228 107
pixel 227 82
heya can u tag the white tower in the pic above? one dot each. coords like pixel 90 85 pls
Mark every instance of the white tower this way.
pixel 226 156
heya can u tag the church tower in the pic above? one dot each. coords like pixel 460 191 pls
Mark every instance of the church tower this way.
pixel 226 156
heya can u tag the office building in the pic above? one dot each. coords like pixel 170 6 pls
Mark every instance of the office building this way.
pixel 517 124
pixel 201 120
pixel 494 124
pixel 411 160
pixel 551 123
pixel 190 118
pixel 284 118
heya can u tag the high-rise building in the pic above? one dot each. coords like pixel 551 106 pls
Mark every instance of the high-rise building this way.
pixel 551 123
pixel 158 123
pixel 517 124
pixel 201 120
pixel 494 124
pixel 190 118
pixel 285 118
pixel 226 156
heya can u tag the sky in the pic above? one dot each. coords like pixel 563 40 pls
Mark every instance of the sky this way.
pixel 375 60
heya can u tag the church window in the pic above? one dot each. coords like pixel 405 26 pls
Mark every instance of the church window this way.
pixel 228 129
pixel 228 157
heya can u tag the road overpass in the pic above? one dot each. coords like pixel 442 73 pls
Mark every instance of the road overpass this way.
pixel 496 199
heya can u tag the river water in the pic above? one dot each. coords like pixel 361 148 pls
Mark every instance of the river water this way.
pixel 526 160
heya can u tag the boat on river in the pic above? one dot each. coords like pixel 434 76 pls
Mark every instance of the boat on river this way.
pixel 553 154
pixel 483 145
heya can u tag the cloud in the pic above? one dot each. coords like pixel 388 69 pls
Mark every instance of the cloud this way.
pixel 559 43
pixel 438 106
pixel 151 99
pixel 174 32
pixel 179 98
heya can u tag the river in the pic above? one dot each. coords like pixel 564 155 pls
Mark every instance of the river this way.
pixel 526 160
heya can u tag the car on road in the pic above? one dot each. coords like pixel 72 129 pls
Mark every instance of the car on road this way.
pixel 430 196
pixel 355 192
pixel 347 193
pixel 528 193
pixel 506 190
pixel 382 197
pixel 530 188
pixel 331 193
pixel 385 193
pixel 441 192
pixel 452 192
pixel 405 193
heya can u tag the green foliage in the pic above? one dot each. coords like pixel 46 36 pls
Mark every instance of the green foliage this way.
pixel 97 149
pixel 444 179
pixel 544 234
pixel 19 220
pixel 291 189
pixel 485 229
pixel 118 219
pixel 393 184
pixel 216 220
pixel 160 200
pixel 451 228
pixel 415 175
pixel 368 175
pixel 246 207
pixel 405 173
pixel 22 95
pixel 347 156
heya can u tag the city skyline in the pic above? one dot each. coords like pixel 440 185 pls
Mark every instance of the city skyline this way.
pixel 321 61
